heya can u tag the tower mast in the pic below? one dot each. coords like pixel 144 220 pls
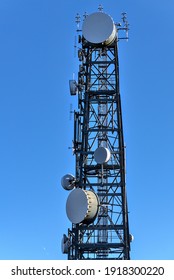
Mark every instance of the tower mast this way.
pixel 97 203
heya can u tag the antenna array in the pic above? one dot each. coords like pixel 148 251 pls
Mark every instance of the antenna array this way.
pixel 97 203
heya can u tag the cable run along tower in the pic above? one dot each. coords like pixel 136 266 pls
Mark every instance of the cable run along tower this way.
pixel 97 203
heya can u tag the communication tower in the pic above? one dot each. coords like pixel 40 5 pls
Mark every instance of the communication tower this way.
pixel 97 203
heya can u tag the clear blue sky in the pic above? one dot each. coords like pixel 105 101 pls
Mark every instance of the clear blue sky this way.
pixel 36 62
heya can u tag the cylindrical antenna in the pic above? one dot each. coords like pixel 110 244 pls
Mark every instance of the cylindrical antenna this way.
pixel 100 8
pixel 85 15
pixel 78 20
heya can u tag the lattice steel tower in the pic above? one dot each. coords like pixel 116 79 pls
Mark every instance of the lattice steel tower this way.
pixel 97 203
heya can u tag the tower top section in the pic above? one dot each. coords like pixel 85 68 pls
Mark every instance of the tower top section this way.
pixel 99 28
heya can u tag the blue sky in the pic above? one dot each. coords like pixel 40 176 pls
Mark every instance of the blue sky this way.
pixel 36 62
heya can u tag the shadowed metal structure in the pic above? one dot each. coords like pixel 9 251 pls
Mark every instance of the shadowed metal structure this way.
pixel 97 203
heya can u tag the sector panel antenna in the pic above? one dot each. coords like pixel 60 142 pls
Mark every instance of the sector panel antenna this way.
pixel 65 244
pixel 99 28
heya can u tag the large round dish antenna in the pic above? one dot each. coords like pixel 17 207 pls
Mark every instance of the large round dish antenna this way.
pixel 99 28
pixel 102 155
pixel 68 182
pixel 82 206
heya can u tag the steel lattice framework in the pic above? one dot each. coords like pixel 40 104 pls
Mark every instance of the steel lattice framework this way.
pixel 98 122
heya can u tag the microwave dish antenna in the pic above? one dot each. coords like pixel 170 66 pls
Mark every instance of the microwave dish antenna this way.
pixel 102 155
pixel 68 182
pixel 82 206
pixel 99 28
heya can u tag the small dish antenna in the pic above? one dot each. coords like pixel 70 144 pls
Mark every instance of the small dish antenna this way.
pixel 68 182
pixel 102 155
pixel 131 237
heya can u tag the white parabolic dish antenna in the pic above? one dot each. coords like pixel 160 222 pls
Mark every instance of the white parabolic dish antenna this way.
pixel 99 28
pixel 102 155
pixel 82 206
pixel 68 182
